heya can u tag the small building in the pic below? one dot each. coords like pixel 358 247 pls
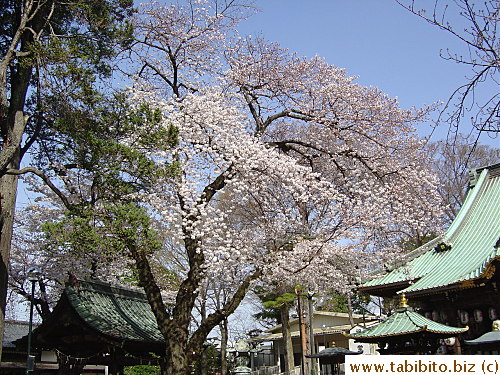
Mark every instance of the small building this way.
pixel 98 324
pixel 329 329
pixel 407 332
pixel 455 278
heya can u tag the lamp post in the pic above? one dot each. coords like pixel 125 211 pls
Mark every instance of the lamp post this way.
pixel 33 275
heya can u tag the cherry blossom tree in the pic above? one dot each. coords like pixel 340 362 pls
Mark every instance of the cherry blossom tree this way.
pixel 313 169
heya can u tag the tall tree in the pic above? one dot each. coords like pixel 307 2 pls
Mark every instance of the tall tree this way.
pixel 84 171
pixel 295 137
pixel 94 179
pixel 43 42
pixel 475 24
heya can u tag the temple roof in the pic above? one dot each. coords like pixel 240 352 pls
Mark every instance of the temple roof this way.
pixel 117 312
pixel 465 252
pixel 93 318
pixel 491 337
pixel 487 338
pixel 405 322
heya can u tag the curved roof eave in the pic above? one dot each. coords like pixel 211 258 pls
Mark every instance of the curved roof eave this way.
pixel 473 236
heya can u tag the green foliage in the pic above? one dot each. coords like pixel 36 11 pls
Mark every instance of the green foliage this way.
pixel 412 243
pixel 212 361
pixel 131 223
pixel 106 143
pixel 100 236
pixel 104 234
pixel 141 370
pixel 73 42
pixel 98 152
pixel 280 300
pixel 104 149
pixel 338 302
pixel 272 303
pixel 95 27
pixel 66 50
pixel 75 234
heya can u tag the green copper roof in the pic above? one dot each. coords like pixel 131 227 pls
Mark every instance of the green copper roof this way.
pixel 123 314
pixel 473 236
pixel 488 338
pixel 405 322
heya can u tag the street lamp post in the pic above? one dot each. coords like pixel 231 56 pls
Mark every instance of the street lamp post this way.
pixel 33 275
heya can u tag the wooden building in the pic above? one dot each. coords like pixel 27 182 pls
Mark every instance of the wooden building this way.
pixel 96 323
pixel 14 357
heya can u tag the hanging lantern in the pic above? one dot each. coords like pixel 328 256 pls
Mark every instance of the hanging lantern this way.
pixel 464 316
pixel 443 316
pixel 492 313
pixel 478 315
pixel 435 316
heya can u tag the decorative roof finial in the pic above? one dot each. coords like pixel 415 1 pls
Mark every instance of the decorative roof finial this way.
pixel 403 302
pixel 496 325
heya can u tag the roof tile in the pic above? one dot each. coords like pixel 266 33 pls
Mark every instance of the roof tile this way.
pixel 117 312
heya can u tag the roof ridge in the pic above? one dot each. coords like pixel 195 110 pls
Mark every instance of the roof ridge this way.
pixel 97 286
pixel 493 168
pixel 467 206
pixel 410 316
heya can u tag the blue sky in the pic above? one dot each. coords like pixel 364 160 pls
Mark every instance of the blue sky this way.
pixel 385 45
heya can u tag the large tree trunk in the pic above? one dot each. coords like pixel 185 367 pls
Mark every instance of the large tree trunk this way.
pixel 180 346
pixel 8 193
pixel 287 338
pixel 174 327
pixel 178 360
pixel 12 129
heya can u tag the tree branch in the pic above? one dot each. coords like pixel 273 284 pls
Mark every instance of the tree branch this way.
pixel 45 178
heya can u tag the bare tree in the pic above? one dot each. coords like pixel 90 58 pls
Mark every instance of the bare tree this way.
pixel 452 162
pixel 478 33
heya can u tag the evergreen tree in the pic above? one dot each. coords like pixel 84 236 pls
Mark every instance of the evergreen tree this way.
pixel 49 50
